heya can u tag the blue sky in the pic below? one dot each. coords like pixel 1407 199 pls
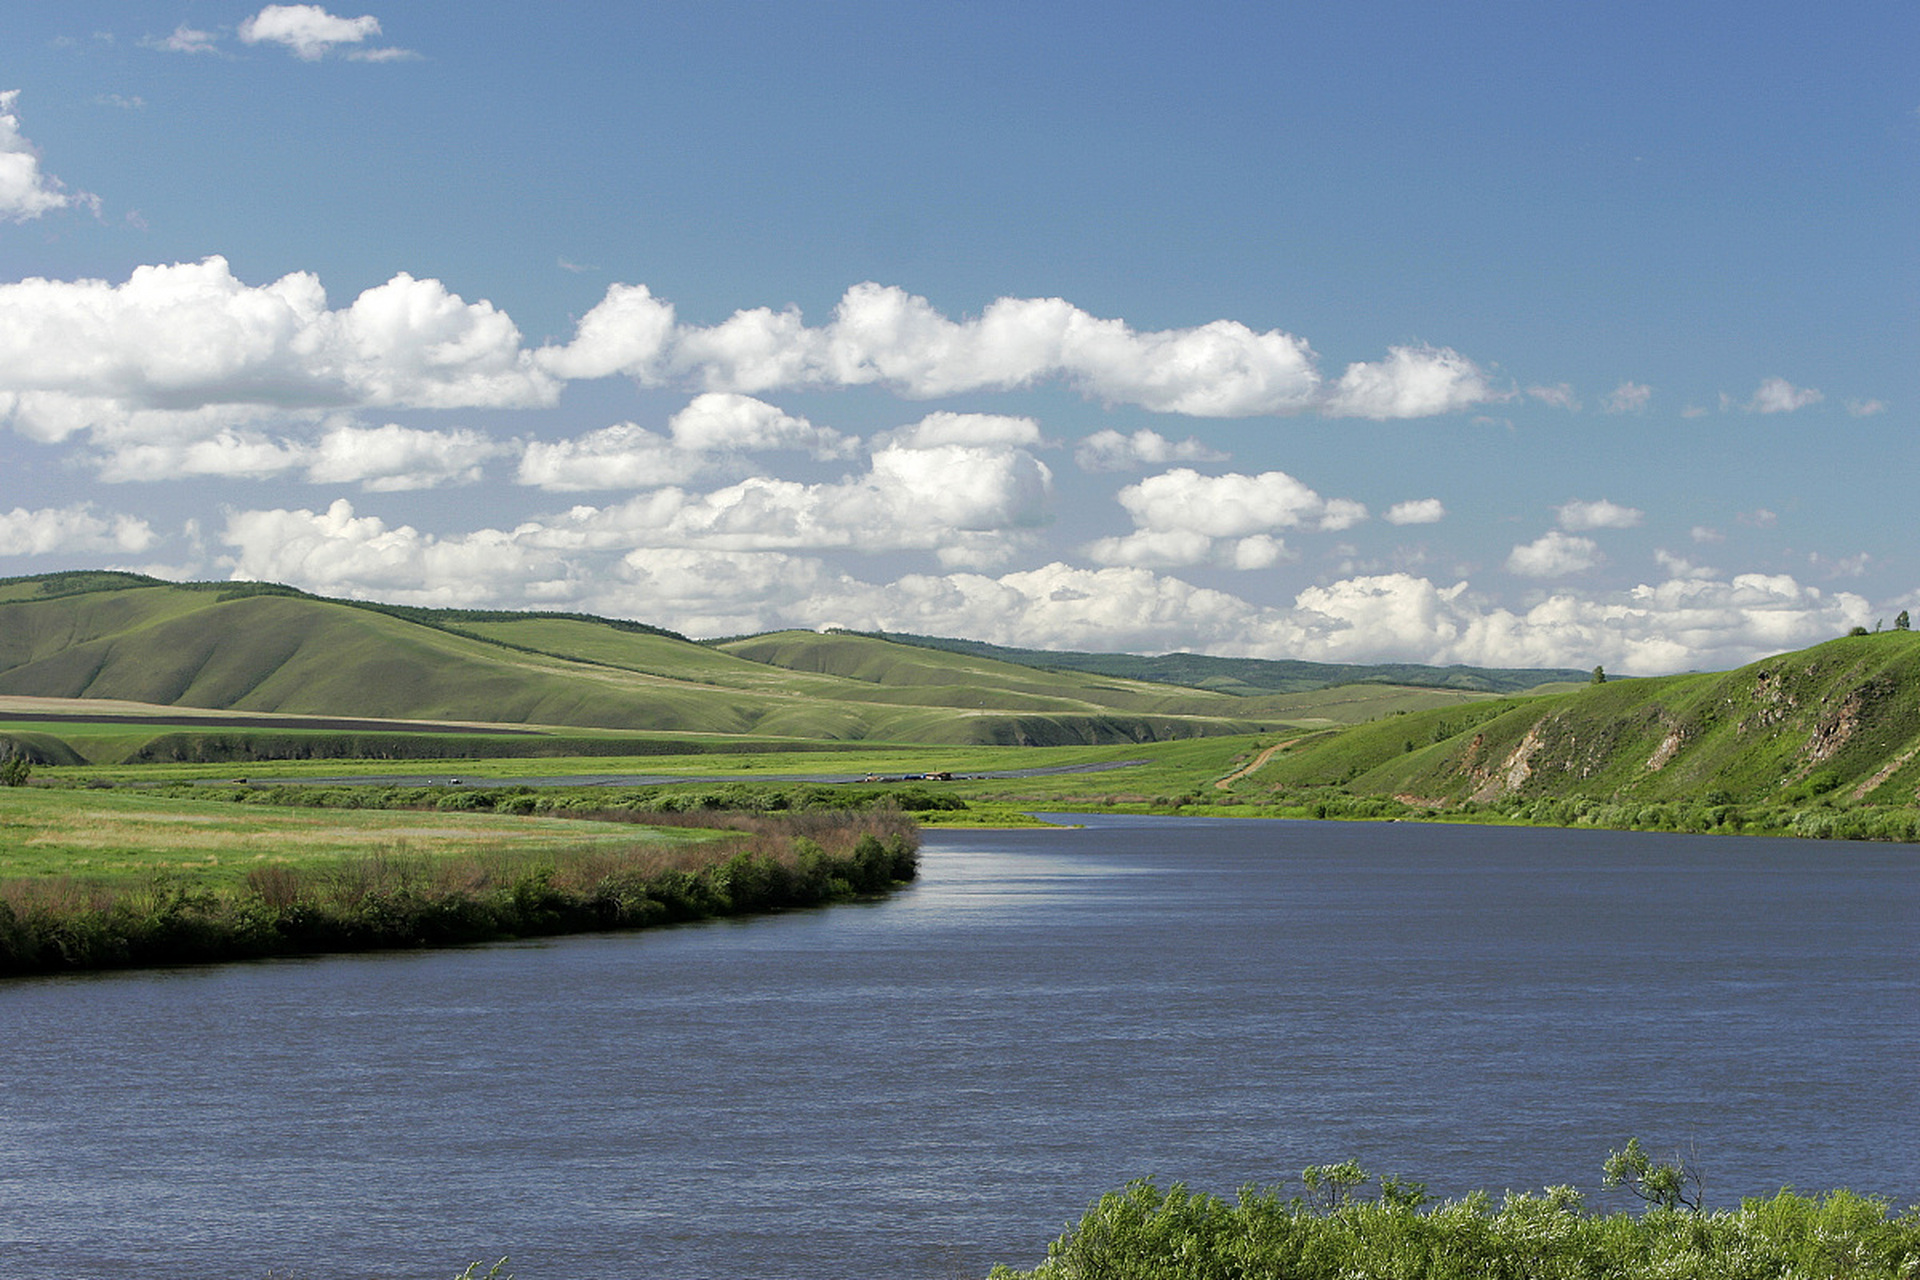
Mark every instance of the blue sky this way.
pixel 1508 334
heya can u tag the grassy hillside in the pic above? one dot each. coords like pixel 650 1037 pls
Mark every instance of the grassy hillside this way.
pixel 265 649
pixel 1837 724
pixel 929 674
pixel 1256 676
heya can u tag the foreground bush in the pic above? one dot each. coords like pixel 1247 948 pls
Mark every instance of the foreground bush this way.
pixel 379 901
pixel 1144 1233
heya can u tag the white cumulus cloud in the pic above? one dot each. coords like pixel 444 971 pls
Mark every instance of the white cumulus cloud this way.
pixel 75 530
pixel 26 191
pixel 186 337
pixel 883 335
pixel 379 459
pixel 1579 517
pixel 721 422
pixel 1179 515
pixel 1417 511
pixel 966 428
pixel 1553 555
pixel 1110 450
pixel 311 33
pixel 1412 382
pixel 1777 395
pixel 392 457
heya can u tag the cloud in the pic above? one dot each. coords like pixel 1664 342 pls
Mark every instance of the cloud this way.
pixel 1579 517
pixel 1853 566
pixel 185 338
pixel 363 558
pixel 26 192
pixel 882 335
pixel 1180 515
pixel 1628 397
pixel 392 457
pixel 234 455
pixel 724 422
pixel 966 504
pixel 716 426
pixel 1559 396
pixel 1395 616
pixel 379 459
pixel 1412 382
pixel 185 39
pixel 309 31
pixel 1110 450
pixel 966 428
pixel 588 559
pixel 1866 408
pixel 1553 555
pixel 1777 395
pixel 74 530
pixel 628 332
pixel 623 456
pixel 1417 511
pixel 1680 567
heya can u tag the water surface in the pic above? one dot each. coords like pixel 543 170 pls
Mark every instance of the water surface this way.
pixel 921 1087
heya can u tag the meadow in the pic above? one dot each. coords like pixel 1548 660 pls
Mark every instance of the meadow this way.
pixel 94 878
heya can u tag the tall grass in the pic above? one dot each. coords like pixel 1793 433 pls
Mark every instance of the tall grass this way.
pixel 1145 1233
pixel 396 898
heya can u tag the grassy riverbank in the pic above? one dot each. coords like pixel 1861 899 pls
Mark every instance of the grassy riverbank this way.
pixel 1146 1233
pixel 91 881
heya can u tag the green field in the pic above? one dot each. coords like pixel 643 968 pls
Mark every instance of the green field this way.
pixel 121 837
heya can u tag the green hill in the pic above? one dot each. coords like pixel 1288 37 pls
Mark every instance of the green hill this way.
pixel 1838 723
pixel 260 648
pixel 1255 676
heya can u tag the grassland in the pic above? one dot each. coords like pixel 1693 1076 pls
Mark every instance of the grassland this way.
pixel 272 651
pixel 124 837
pixel 90 879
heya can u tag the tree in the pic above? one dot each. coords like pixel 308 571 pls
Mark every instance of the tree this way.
pixel 1901 622
pixel 16 771
pixel 1666 1184
pixel 1599 676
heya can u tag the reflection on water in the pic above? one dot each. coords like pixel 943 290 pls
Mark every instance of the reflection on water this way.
pixel 924 1086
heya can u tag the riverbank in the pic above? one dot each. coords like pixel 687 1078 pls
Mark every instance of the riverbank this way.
pixel 393 898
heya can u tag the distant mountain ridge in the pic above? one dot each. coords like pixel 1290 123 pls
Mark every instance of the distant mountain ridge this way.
pixel 1243 676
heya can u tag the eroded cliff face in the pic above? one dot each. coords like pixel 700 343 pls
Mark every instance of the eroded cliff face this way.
pixel 1812 720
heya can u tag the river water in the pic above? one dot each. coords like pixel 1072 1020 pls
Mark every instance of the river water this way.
pixel 921 1087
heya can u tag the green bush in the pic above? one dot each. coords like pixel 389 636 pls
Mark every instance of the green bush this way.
pixel 1335 1233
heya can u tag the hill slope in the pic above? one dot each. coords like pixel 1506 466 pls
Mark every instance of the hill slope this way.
pixel 259 648
pixel 1839 721
pixel 1255 676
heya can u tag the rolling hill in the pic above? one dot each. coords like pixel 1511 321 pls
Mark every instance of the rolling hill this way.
pixel 1838 723
pixel 1255 676
pixel 265 649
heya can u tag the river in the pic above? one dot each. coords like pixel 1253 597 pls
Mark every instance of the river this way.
pixel 921 1087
